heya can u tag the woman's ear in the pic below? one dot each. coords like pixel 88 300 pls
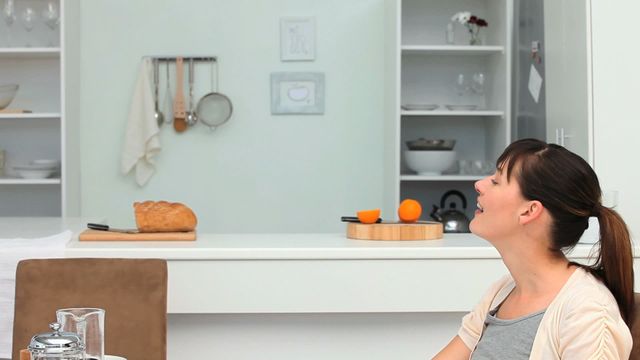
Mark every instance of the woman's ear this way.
pixel 531 211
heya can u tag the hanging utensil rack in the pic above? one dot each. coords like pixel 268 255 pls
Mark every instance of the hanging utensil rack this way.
pixel 213 60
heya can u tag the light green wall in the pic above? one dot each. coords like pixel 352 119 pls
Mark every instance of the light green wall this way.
pixel 259 172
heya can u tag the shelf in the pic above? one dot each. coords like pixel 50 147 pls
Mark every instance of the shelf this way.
pixel 31 116
pixel 451 177
pixel 453 113
pixel 451 50
pixel 20 181
pixel 12 53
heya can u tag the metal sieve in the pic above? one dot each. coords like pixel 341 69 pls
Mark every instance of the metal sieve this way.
pixel 214 108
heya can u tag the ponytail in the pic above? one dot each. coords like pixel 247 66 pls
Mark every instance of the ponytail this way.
pixel 614 263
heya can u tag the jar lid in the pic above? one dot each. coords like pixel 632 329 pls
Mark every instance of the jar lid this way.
pixel 56 342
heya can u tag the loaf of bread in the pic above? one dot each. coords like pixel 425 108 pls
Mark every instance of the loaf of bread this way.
pixel 163 216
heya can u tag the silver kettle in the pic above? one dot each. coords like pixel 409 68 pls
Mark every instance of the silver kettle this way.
pixel 454 221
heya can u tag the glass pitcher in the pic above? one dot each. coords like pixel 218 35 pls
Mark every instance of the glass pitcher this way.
pixel 88 323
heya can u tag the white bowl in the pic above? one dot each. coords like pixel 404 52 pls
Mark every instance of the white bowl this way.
pixel 7 93
pixel 45 163
pixel 32 173
pixel 429 162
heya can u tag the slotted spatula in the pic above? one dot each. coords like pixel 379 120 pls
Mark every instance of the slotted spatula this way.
pixel 179 114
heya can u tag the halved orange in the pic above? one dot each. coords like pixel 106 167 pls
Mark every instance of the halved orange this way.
pixel 409 211
pixel 369 216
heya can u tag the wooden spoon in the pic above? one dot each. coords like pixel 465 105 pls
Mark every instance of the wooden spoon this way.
pixel 179 114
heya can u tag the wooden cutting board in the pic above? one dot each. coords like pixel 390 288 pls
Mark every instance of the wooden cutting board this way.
pixel 98 235
pixel 423 230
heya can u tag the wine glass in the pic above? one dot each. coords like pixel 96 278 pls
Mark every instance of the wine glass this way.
pixel 460 85
pixel 51 17
pixel 477 84
pixel 28 18
pixel 9 17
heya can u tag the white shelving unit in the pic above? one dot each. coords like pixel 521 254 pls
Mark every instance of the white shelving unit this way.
pixel 34 60
pixel 426 69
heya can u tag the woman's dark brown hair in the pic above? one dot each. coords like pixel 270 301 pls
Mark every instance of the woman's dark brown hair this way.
pixel 568 188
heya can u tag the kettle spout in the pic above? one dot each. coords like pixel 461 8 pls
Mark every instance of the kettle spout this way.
pixel 435 215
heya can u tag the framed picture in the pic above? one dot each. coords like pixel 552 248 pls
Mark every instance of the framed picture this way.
pixel 297 38
pixel 297 93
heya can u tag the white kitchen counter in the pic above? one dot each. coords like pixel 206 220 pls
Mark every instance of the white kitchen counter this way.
pixel 318 273
pixel 298 247
pixel 303 273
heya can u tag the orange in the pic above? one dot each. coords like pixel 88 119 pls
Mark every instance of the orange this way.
pixel 369 216
pixel 409 211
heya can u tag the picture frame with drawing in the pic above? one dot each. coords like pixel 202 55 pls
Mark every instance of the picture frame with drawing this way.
pixel 297 38
pixel 297 93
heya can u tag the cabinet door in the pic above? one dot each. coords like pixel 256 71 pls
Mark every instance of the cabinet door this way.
pixel 568 82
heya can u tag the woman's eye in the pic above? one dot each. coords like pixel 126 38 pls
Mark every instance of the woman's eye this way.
pixel 494 182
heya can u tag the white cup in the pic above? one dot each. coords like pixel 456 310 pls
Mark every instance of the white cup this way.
pixel 477 167
pixel 464 167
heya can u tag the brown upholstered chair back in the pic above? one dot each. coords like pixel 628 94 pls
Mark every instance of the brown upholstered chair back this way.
pixel 635 329
pixel 133 293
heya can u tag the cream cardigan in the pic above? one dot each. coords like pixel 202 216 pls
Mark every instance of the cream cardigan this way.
pixel 583 322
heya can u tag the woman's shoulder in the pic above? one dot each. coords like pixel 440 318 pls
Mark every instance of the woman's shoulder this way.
pixel 585 292
pixel 583 322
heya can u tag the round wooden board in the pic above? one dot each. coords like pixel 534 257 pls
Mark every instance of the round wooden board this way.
pixel 424 230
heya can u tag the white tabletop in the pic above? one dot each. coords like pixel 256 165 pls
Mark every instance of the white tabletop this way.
pixel 261 246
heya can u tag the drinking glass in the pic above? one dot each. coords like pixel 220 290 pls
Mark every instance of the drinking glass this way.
pixel 9 17
pixel 28 18
pixel 464 167
pixel 477 84
pixel 449 34
pixel 51 18
pixel 460 85
pixel 50 15
pixel 88 323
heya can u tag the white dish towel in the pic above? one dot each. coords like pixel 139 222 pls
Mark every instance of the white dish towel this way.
pixel 142 138
pixel 11 252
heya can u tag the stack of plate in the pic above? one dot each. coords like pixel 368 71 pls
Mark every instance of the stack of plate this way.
pixel 37 169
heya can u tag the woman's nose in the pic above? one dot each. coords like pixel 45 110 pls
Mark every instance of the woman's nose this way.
pixel 479 184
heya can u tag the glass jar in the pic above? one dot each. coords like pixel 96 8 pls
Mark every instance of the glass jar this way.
pixel 56 345
pixel 88 323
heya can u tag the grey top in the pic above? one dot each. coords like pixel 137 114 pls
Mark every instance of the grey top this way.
pixel 507 339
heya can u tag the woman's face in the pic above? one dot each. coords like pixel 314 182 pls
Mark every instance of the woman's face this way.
pixel 499 204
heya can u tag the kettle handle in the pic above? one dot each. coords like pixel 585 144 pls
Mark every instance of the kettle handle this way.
pixel 453 192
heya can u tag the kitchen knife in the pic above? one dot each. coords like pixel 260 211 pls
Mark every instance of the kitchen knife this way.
pixel 355 219
pixel 103 227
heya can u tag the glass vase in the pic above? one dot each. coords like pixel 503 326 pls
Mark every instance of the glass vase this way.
pixel 474 37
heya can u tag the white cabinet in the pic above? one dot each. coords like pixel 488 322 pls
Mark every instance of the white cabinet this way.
pixel 34 60
pixel 426 72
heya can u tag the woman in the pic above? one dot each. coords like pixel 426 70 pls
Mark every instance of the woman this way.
pixel 535 207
